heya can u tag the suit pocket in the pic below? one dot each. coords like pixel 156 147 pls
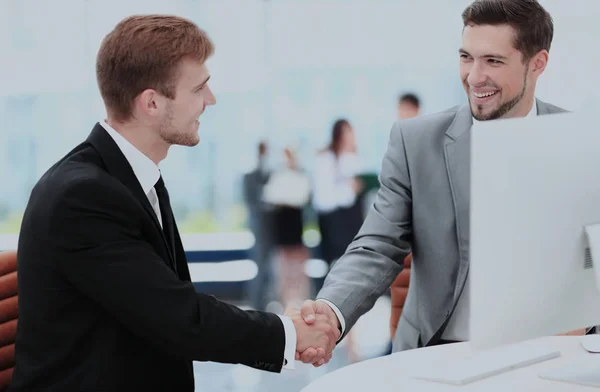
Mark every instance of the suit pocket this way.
pixel 407 336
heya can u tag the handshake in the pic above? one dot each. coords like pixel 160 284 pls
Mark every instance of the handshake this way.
pixel 317 332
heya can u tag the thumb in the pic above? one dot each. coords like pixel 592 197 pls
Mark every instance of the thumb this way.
pixel 308 312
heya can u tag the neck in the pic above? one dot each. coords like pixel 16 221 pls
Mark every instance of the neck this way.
pixel 523 108
pixel 141 137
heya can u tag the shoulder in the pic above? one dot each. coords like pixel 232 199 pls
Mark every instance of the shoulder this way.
pixel 427 126
pixel 73 182
pixel 548 108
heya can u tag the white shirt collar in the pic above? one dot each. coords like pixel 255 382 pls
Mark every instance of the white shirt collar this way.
pixel 144 168
pixel 532 112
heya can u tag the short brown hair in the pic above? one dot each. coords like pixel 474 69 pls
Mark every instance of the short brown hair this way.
pixel 144 51
pixel 533 24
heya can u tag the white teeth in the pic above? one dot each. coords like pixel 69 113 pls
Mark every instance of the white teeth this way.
pixel 483 95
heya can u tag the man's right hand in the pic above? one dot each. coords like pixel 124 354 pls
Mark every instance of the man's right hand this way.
pixel 315 339
pixel 311 312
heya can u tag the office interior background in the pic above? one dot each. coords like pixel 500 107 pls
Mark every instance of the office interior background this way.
pixel 283 71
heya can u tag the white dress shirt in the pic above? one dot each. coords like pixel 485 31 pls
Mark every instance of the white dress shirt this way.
pixel 458 326
pixel 147 173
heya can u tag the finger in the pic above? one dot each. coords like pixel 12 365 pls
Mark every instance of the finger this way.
pixel 308 312
pixel 297 357
pixel 321 353
pixel 328 357
pixel 308 355
pixel 332 341
pixel 324 360
pixel 336 334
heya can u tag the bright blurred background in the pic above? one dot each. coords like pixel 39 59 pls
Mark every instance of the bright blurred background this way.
pixel 283 71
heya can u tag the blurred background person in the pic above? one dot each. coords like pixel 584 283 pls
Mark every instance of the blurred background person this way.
pixel 287 193
pixel 253 185
pixel 336 190
pixel 409 106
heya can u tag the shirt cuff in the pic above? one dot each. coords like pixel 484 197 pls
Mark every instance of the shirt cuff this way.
pixel 337 313
pixel 289 353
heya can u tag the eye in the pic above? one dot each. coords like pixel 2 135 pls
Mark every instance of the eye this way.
pixel 495 62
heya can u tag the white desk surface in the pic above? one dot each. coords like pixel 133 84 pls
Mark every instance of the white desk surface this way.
pixel 394 372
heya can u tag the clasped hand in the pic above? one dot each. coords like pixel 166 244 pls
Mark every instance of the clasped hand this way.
pixel 317 331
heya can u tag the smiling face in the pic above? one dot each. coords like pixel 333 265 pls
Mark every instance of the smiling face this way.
pixel 498 81
pixel 180 119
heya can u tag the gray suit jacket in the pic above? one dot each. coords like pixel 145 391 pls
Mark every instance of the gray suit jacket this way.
pixel 423 206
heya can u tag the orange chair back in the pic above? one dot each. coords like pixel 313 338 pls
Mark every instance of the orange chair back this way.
pixel 399 290
pixel 8 315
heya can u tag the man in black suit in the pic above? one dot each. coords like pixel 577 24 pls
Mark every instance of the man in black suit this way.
pixel 105 298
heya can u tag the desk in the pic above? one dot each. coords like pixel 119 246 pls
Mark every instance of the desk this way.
pixel 394 372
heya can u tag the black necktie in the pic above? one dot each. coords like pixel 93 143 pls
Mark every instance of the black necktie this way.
pixel 167 216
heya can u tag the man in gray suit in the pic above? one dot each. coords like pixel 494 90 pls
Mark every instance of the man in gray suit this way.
pixel 423 202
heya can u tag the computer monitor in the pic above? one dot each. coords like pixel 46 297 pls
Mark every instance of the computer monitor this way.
pixel 535 188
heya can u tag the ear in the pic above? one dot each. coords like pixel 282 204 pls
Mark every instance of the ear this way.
pixel 148 102
pixel 538 63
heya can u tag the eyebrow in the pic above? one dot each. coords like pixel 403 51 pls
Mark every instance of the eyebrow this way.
pixel 487 56
pixel 202 84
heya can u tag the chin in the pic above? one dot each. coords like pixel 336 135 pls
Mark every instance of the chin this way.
pixel 182 139
pixel 190 141
pixel 482 114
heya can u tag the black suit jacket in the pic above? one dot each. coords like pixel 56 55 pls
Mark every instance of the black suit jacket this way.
pixel 101 306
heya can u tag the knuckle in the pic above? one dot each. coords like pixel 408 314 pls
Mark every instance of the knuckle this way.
pixel 322 318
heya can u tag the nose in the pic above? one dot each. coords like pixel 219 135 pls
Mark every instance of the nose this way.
pixel 477 75
pixel 210 99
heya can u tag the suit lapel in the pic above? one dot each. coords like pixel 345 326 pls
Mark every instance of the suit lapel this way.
pixel 183 270
pixel 457 150
pixel 118 166
pixel 542 108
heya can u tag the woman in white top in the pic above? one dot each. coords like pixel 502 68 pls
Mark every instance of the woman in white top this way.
pixel 287 193
pixel 336 190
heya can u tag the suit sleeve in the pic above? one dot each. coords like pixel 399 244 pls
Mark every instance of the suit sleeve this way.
pixel 375 257
pixel 97 238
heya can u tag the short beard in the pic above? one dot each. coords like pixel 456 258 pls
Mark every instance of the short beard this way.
pixel 503 108
pixel 172 136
